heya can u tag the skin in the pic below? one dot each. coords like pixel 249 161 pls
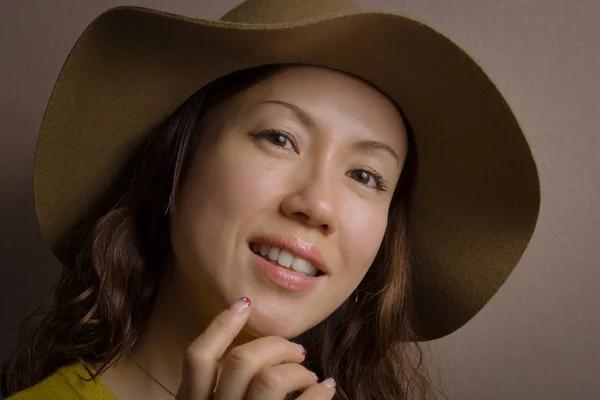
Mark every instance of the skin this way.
pixel 317 187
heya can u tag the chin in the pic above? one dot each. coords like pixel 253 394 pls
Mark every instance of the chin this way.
pixel 261 324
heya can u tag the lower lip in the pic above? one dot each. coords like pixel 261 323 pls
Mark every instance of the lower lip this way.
pixel 285 278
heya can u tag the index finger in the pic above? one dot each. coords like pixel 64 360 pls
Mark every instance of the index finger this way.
pixel 200 364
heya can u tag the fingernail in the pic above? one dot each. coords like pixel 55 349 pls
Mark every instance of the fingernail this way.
pixel 241 305
pixel 329 383
pixel 315 376
pixel 301 349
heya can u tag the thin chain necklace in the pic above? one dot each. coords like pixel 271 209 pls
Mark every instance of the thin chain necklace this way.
pixel 153 378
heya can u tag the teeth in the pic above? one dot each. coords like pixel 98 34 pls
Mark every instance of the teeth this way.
pixel 264 249
pixel 285 259
pixel 274 253
pixel 303 266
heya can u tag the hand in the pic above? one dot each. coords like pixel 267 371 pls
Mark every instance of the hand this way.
pixel 267 368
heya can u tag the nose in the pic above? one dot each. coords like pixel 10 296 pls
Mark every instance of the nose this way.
pixel 312 203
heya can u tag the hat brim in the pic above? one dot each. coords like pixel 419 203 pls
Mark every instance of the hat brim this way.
pixel 478 190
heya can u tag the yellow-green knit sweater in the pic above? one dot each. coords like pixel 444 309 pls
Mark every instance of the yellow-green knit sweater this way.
pixel 66 384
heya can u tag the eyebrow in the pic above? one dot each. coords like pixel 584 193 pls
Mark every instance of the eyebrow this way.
pixel 300 113
pixel 373 144
pixel 310 123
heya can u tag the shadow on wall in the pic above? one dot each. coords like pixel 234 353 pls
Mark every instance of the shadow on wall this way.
pixel 29 269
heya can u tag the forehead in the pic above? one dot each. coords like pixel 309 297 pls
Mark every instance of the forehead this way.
pixel 334 99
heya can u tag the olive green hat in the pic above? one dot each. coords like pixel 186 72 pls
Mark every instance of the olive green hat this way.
pixel 477 188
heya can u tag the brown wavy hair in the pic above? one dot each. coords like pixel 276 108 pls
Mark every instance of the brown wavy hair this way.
pixel 116 258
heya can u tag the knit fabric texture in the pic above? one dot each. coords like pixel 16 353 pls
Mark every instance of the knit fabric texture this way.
pixel 67 384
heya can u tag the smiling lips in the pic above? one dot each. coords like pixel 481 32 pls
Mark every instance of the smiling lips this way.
pixel 289 262
pixel 284 258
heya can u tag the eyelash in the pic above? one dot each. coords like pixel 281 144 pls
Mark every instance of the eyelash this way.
pixel 263 135
pixel 380 182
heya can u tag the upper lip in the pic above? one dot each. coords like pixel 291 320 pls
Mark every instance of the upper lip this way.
pixel 297 247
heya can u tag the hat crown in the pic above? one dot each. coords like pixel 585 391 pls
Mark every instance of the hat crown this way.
pixel 286 11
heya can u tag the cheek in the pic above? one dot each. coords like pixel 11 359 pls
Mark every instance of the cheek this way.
pixel 240 188
pixel 222 193
pixel 363 234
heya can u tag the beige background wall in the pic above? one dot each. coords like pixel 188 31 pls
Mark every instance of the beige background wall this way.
pixel 539 338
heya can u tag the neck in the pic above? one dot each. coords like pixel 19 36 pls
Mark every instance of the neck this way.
pixel 162 343
pixel 173 324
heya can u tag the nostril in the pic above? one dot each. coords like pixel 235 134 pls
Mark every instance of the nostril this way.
pixel 301 215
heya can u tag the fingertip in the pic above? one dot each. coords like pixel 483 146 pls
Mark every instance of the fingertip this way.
pixel 329 383
pixel 300 348
pixel 241 305
pixel 315 377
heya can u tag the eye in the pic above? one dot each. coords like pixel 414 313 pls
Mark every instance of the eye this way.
pixel 369 178
pixel 277 138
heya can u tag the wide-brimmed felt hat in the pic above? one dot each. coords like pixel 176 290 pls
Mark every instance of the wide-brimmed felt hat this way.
pixel 477 193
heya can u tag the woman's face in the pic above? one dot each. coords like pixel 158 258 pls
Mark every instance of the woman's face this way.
pixel 302 166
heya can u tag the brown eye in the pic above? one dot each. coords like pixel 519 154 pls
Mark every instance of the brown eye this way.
pixel 369 178
pixel 278 138
pixel 363 177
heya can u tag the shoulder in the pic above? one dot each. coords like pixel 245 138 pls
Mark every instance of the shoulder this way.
pixel 70 382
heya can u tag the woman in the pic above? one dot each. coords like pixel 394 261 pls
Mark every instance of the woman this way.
pixel 269 238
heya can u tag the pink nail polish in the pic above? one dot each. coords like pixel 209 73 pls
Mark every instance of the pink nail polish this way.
pixel 301 349
pixel 329 383
pixel 241 305
pixel 316 377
